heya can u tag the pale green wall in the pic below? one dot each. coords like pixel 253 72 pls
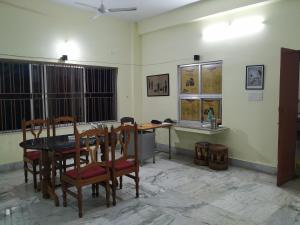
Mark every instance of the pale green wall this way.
pixel 105 42
pixel 253 125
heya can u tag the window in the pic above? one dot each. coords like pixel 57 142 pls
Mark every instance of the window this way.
pixel 100 94
pixel 64 91
pixel 200 90
pixel 31 91
pixel 15 95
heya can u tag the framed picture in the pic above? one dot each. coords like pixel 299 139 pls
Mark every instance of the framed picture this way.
pixel 211 76
pixel 158 85
pixel 255 77
pixel 189 78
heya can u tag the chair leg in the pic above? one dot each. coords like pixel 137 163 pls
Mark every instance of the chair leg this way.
pixel 60 168
pixel 137 184
pixel 97 190
pixel 114 190
pixel 107 189
pixel 79 198
pixel 34 176
pixel 93 190
pixel 53 177
pixel 87 159
pixel 25 172
pixel 40 174
pixel 65 165
pixel 64 190
pixel 121 182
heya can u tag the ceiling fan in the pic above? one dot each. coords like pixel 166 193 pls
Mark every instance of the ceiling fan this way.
pixel 102 9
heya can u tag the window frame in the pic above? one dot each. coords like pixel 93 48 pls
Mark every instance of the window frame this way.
pixel 199 95
pixel 44 96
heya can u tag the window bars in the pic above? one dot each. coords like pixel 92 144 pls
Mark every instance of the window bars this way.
pixel 31 91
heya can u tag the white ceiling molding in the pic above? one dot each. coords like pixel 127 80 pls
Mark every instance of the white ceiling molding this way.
pixel 194 12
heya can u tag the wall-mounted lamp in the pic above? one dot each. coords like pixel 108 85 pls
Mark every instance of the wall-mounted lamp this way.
pixel 63 58
pixel 67 50
pixel 237 28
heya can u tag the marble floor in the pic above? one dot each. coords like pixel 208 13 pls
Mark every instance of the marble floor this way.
pixel 172 192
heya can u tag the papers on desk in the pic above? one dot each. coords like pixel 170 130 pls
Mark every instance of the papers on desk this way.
pixel 94 125
pixel 164 123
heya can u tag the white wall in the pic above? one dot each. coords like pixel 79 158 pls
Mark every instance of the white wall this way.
pixel 105 42
pixel 253 125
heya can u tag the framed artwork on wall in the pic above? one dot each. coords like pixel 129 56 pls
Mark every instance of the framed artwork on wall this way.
pixel 158 85
pixel 255 77
pixel 189 79
pixel 211 78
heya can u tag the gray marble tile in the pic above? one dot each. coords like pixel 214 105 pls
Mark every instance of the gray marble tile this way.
pixel 256 202
pixel 172 192
pixel 286 215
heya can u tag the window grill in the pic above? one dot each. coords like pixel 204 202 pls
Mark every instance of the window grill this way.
pixel 43 90
pixel 14 95
pixel 100 94
pixel 64 91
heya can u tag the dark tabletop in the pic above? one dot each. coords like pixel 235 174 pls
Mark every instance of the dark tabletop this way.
pixel 57 143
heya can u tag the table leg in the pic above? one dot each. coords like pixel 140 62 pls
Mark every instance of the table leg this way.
pixel 45 174
pixel 47 189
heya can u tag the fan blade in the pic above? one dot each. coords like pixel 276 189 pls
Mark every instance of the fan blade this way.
pixel 21 7
pixel 122 9
pixel 86 5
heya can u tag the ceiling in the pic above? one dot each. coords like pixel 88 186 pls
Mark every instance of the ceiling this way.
pixel 145 8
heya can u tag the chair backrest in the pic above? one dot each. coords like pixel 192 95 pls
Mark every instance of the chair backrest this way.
pixel 35 127
pixel 127 120
pixel 63 120
pixel 122 136
pixel 91 140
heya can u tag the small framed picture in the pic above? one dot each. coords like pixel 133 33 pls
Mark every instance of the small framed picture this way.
pixel 255 77
pixel 158 85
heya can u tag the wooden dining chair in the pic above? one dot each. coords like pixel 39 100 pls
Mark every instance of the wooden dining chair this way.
pixel 94 172
pixel 63 156
pixel 125 165
pixel 34 128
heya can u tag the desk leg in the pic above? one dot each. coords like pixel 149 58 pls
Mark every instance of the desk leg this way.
pixel 154 147
pixel 169 142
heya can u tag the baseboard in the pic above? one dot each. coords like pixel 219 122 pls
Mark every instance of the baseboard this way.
pixel 11 166
pixel 179 151
pixel 232 161
pixel 253 166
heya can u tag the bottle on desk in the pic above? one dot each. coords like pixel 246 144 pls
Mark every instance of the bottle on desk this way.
pixel 212 119
pixel 213 123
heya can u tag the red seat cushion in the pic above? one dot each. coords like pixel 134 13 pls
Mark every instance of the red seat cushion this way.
pixel 88 173
pixel 122 164
pixel 33 155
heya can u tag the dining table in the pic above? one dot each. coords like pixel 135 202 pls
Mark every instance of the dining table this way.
pixel 49 146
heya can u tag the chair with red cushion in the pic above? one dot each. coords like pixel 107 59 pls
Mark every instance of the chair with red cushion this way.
pixel 94 172
pixel 125 165
pixel 33 129
pixel 63 156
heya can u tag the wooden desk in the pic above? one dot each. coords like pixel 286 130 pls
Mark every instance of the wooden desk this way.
pixel 151 126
